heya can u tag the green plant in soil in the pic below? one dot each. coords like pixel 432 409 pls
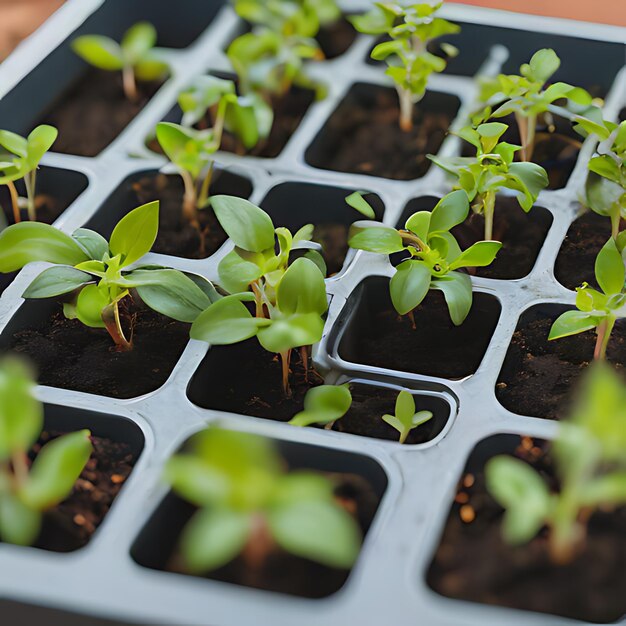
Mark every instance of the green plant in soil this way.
pixel 598 310
pixel 434 256
pixel 94 277
pixel 406 417
pixel 19 159
pixel 410 30
pixel 283 283
pixel 28 490
pixel 134 56
pixel 491 170
pixel 250 505
pixel 606 183
pixel 324 405
pixel 289 17
pixel 589 456
pixel 528 98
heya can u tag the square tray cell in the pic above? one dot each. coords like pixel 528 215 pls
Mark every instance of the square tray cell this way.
pixel 360 479
pixel 377 336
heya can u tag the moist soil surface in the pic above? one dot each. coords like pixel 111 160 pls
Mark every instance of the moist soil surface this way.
pixel 436 347
pixel 473 563
pixel 177 236
pixel 576 260
pixel 71 524
pixel 538 376
pixel 280 571
pixel 69 355
pixel 335 39
pixel 522 236
pixel 92 113
pixel 363 136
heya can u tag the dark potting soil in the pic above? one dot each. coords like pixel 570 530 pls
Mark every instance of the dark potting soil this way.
pixel 333 237
pixel 363 136
pixel 575 262
pixel 378 336
pixel 94 112
pixel 539 376
pixel 280 572
pixel 70 525
pixel 48 208
pixel 473 563
pixel 176 235
pixel 522 236
pixel 69 355
pixel 335 39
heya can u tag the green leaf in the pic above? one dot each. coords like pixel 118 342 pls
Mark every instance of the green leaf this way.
pixel 137 41
pixel 419 223
pixel 457 290
pixel 302 289
pixel 572 323
pixel 323 405
pixel 196 480
pixel 302 485
pixel 292 332
pixel 19 525
pixel 479 254
pixel 374 237
pixel 101 52
pixel 56 281
pixel 605 166
pixel 236 274
pixel 21 415
pixel 56 469
pixel 543 64
pixel 213 538
pixel 409 285
pixel 405 405
pixel 317 530
pixel 523 494
pixel 94 244
pixel 135 233
pixel 151 68
pixel 39 142
pixel 225 322
pixel 27 242
pixel 89 306
pixel 451 210
pixel 247 225
pixel 609 269
pixel 14 143
pixel 358 202
pixel 533 177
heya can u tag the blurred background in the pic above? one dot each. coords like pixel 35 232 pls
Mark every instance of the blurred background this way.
pixel 19 18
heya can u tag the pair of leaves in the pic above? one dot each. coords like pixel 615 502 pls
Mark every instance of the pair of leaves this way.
pixel 406 418
pixel 22 155
pixel 323 405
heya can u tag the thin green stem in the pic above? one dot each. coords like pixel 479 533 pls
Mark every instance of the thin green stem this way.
pixel 15 202
pixel 604 334
pixel 615 222
pixel 206 184
pixel 29 182
pixel 489 204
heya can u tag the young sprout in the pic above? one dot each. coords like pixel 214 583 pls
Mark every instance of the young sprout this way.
pixel 289 296
pixel 134 56
pixel 597 310
pixel 410 30
pixel 28 490
pixel 406 418
pixel 324 405
pixel 95 276
pixel 606 185
pixel 491 170
pixel 19 159
pixel 526 98
pixel 249 505
pixel 289 17
pixel 434 256
pixel 590 460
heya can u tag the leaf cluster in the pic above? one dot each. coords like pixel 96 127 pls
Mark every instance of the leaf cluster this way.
pixel 434 255
pixel 27 491
pixel 246 499
pixel 590 459
pixel 406 417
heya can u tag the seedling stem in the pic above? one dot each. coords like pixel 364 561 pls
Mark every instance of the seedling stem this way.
pixel 129 83
pixel 113 324
pixel 490 204
pixel 604 334
pixel 15 202
pixel 284 357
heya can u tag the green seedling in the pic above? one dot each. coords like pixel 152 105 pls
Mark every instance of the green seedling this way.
pixel 249 505
pixel 527 97
pixel 410 30
pixel 289 17
pixel 270 64
pixel 94 276
pixel 134 56
pixel 289 296
pixel 606 184
pixel 597 310
pixel 28 490
pixel 491 170
pixel 19 159
pixel 434 256
pixel 590 459
pixel 324 405
pixel 406 417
